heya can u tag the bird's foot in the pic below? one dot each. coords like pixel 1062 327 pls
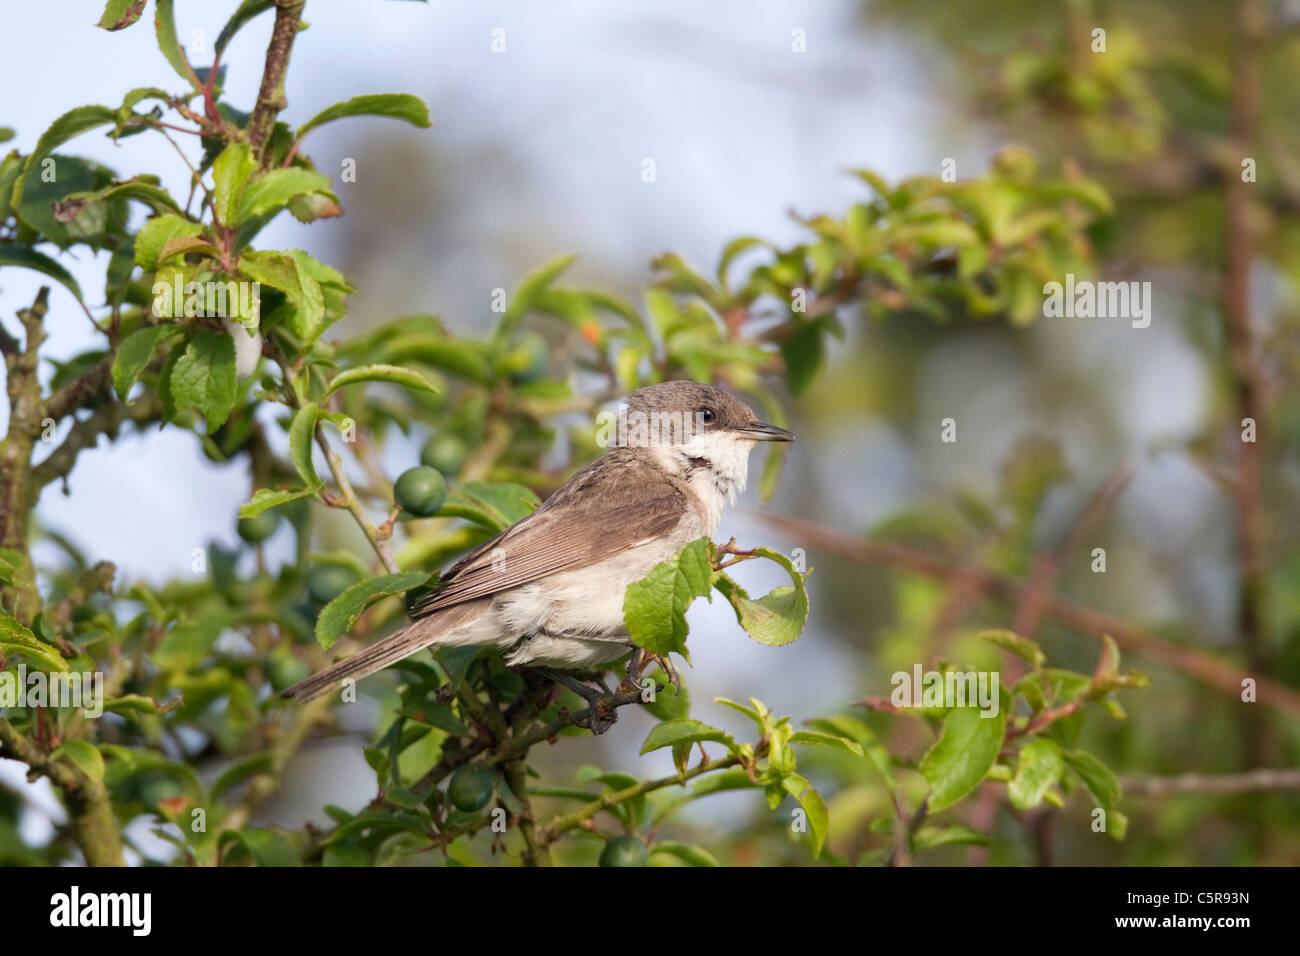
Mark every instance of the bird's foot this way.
pixel 640 658
pixel 601 711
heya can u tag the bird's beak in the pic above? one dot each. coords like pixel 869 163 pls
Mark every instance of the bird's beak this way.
pixel 762 432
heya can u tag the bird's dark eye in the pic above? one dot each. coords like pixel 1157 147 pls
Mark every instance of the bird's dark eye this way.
pixel 707 415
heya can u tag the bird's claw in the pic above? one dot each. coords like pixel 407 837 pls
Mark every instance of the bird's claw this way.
pixel 641 657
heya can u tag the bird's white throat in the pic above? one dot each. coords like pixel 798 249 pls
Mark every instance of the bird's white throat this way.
pixel 715 465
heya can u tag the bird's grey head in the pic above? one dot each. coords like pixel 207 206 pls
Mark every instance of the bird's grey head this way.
pixel 678 413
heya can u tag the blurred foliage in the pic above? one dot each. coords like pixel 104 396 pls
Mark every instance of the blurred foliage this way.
pixel 194 738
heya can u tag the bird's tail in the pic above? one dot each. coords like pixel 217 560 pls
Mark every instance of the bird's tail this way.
pixel 379 655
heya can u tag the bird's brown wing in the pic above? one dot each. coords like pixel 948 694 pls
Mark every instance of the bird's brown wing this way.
pixel 618 501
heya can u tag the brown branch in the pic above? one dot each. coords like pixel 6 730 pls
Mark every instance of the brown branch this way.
pixel 1206 668
pixel 105 420
pixel 89 807
pixel 1247 782
pixel 271 97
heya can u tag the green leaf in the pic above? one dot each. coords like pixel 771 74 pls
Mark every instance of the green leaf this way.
pixel 778 617
pixel 272 498
pixel 284 271
pixel 827 740
pixel 17 639
pixel 204 377
pixel 654 608
pixel 134 353
pixel 494 505
pixel 1020 646
pixel 15 255
pixel 845 726
pixel 683 730
pixel 241 771
pixel 1096 776
pixel 70 124
pixel 393 374
pixel 401 106
pixel 688 853
pixel 302 430
pixel 164 22
pixel 814 807
pixel 929 837
pixel 1039 768
pixel 267 847
pixel 230 174
pixel 85 755
pixel 120 14
pixel 156 234
pixel 145 189
pixel 274 189
pixel 525 297
pixel 963 754
pixel 242 15
pixel 337 617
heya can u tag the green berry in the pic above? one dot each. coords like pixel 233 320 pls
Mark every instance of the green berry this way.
pixel 446 452
pixel 470 788
pixel 325 582
pixel 257 529
pixel 625 851
pixel 420 491
pixel 527 360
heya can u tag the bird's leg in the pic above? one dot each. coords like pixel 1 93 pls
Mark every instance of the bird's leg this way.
pixel 585 691
pixel 600 713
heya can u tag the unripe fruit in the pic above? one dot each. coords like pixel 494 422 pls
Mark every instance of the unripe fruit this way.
pixel 625 851
pixel 420 491
pixel 470 788
pixel 445 452
pixel 257 529
pixel 325 582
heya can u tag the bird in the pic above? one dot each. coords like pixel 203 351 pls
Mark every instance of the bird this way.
pixel 548 590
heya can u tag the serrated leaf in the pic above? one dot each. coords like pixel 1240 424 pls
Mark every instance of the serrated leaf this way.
pixel 156 234
pixel 683 730
pixel 120 14
pixel 204 377
pixel 164 22
pixel 337 617
pixel 1039 767
pixel 302 430
pixel 17 639
pixel 393 374
pixel 401 106
pixel 134 353
pixel 654 608
pixel 231 171
pixel 961 757
pixel 776 618
pixel 283 271
pixel 274 497
pixel 273 190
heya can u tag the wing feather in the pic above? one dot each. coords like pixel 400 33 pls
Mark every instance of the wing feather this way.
pixel 576 527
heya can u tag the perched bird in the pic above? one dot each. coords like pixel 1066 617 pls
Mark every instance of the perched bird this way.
pixel 548 590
